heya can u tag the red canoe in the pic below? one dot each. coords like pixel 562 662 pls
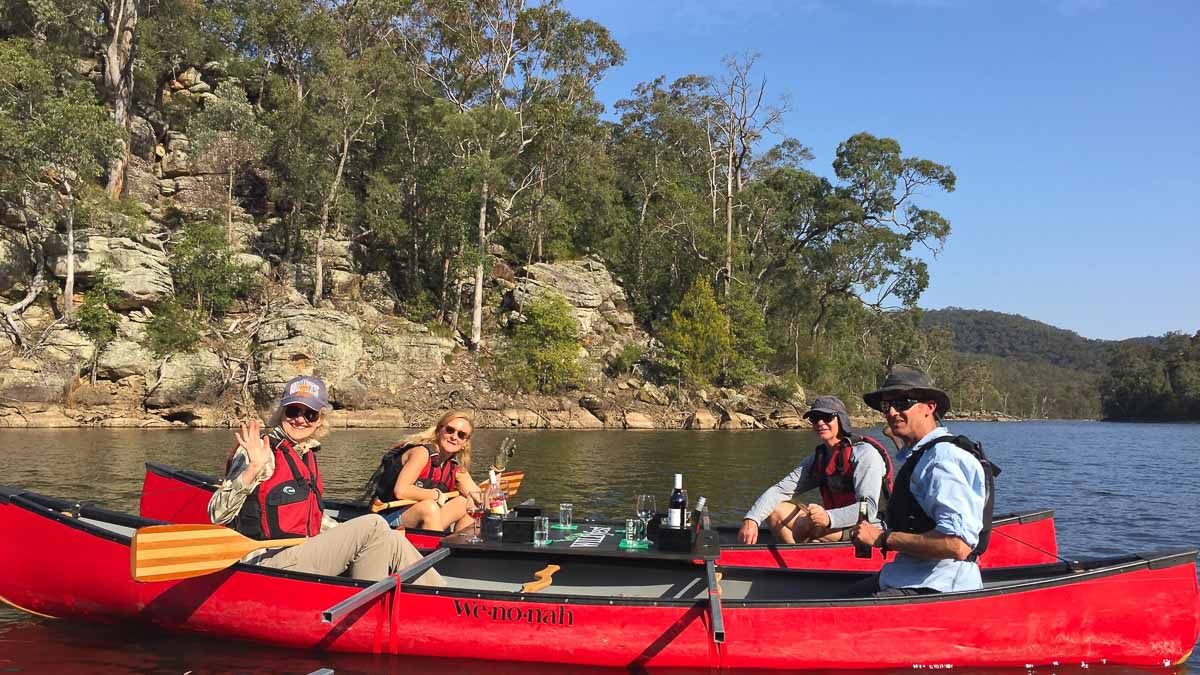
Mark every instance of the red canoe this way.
pixel 174 495
pixel 61 560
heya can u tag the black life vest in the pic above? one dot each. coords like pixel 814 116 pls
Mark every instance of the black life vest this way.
pixel 439 472
pixel 836 470
pixel 904 514
pixel 288 503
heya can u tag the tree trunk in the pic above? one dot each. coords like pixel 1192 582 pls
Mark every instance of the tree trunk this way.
pixel 229 210
pixel 120 18
pixel 477 300
pixel 69 284
pixel 326 207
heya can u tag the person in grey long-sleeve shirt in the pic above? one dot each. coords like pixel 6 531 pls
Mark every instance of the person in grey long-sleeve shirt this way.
pixel 845 467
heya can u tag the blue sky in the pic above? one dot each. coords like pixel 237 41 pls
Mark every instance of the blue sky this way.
pixel 1073 127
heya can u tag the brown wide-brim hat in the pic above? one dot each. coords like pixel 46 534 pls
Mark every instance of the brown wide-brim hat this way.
pixel 908 380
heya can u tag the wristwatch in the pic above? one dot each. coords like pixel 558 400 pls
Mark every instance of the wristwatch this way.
pixel 883 541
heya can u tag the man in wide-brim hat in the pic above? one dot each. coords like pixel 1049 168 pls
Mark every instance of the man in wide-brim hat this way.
pixel 939 514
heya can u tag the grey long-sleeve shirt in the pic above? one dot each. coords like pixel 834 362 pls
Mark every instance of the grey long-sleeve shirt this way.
pixel 869 474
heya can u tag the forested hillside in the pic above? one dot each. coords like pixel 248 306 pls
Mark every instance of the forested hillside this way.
pixel 1011 335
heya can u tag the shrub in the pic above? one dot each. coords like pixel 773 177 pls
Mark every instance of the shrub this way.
pixel 697 340
pixel 624 361
pixel 543 354
pixel 172 330
pixel 206 275
pixel 96 319
pixel 783 389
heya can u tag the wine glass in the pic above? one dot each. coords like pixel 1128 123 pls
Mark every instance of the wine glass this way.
pixel 645 510
pixel 475 510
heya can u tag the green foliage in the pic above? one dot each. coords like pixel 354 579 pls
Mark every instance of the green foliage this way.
pixel 625 359
pixel 783 389
pixel 543 354
pixel 207 277
pixel 50 123
pixel 1157 381
pixel 745 361
pixel 95 317
pixel 698 340
pixel 173 329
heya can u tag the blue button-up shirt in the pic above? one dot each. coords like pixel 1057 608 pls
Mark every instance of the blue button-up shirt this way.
pixel 950 486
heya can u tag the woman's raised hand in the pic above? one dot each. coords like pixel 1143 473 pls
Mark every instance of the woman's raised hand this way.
pixel 257 447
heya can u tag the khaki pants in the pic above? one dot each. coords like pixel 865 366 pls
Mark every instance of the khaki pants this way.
pixel 365 546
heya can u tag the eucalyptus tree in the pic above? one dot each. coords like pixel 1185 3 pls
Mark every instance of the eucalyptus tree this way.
pixel 53 138
pixel 496 62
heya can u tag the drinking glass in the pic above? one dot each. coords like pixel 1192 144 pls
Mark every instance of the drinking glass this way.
pixel 475 510
pixel 646 509
pixel 541 530
pixel 564 515
pixel 633 530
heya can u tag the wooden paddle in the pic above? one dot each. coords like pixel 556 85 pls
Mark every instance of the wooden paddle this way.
pixel 510 482
pixel 167 552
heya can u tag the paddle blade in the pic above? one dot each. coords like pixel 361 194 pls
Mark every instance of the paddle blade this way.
pixel 167 552
pixel 510 481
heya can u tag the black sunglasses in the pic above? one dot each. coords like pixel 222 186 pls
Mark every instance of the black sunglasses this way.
pixel 294 411
pixel 821 417
pixel 462 435
pixel 900 404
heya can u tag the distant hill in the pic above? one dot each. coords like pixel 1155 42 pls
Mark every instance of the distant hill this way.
pixel 988 333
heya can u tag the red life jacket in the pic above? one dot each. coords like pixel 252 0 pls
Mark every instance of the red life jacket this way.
pixel 837 472
pixel 288 503
pixel 439 472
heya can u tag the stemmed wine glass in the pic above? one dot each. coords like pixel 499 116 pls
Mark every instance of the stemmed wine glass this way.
pixel 475 510
pixel 645 511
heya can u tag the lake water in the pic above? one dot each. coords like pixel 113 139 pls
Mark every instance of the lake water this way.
pixel 1115 487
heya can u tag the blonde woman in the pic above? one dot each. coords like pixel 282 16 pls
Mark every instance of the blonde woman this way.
pixel 425 467
pixel 273 489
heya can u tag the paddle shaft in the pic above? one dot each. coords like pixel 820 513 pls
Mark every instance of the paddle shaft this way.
pixel 378 506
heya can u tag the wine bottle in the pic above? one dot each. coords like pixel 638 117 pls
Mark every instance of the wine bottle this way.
pixel 862 550
pixel 677 505
pixel 698 515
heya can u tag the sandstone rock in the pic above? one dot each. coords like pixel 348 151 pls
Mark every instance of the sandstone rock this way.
pixel 189 77
pixel 574 418
pixel 594 405
pixel 139 271
pixel 787 419
pixel 187 379
pixel 142 138
pixel 322 342
pixel 637 420
pixel 701 419
pixel 598 304
pixel 124 358
pixel 651 394
pixel 740 421
pixel 524 418
pixel 67 348
pixel 47 385
pixel 21 363
pixel 141 182
pixel 50 418
pixel 200 88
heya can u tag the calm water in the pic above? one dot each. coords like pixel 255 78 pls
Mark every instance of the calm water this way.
pixel 1115 487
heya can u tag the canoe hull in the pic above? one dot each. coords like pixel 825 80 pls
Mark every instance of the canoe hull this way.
pixel 1139 613
pixel 179 496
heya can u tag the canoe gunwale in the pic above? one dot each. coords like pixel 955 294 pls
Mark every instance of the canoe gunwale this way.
pixel 49 507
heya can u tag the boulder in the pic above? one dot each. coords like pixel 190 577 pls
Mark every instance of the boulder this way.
pixel 139 272
pixel 787 419
pixel 637 420
pixel 48 385
pixel 651 394
pixel 575 418
pixel 598 303
pixel 187 379
pixel 322 342
pixel 595 406
pixel 124 358
pixel 142 138
pixel 399 353
pixel 524 418
pixel 701 419
pixel 189 77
